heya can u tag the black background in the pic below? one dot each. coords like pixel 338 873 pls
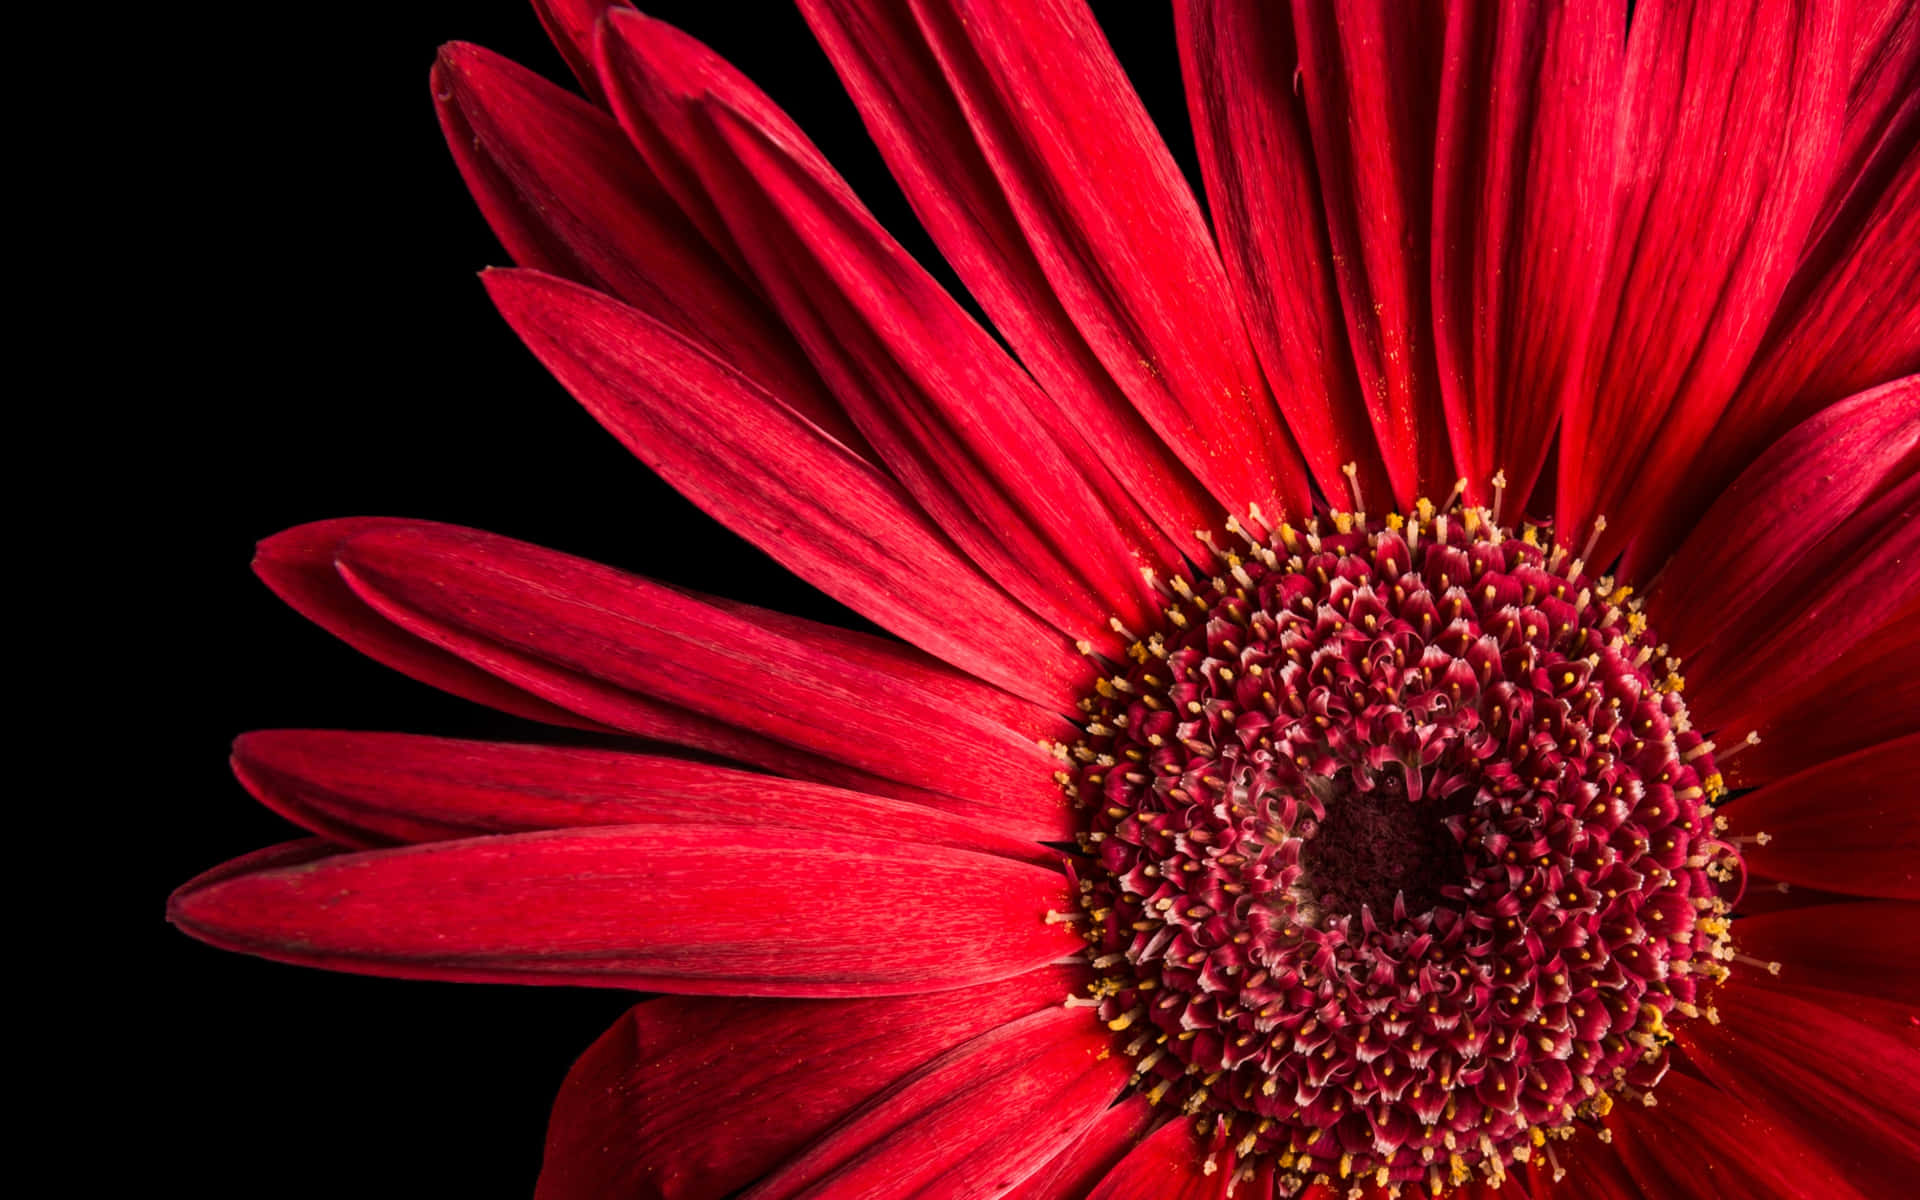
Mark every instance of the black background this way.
pixel 346 361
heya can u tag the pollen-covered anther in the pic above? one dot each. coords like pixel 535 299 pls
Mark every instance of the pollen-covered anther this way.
pixel 1408 861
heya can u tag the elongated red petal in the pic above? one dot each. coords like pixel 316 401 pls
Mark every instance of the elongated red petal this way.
pixel 691 909
pixel 1074 1171
pixel 1371 75
pixel 378 789
pixel 1883 106
pixel 1702 1144
pixel 566 194
pixel 552 622
pixel 686 1099
pixel 569 25
pixel 1781 508
pixel 1840 592
pixel 973 1122
pixel 1849 826
pixel 298 566
pixel 1730 120
pixel 922 131
pixel 1870 948
pixel 951 416
pixel 1170 1165
pixel 1521 221
pixel 783 484
pixel 1850 1089
pixel 1104 212
pixel 1256 156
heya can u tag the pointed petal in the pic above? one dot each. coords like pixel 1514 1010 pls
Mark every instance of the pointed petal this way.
pixel 1849 825
pixel 690 909
pixel 945 409
pixel 1840 592
pixel 1702 1144
pixel 1073 1172
pixel 1521 221
pixel 1118 234
pixel 552 622
pixel 922 130
pixel 1256 156
pixel 684 1099
pixel 784 484
pixel 1170 1165
pixel 569 25
pixel 1371 75
pixel 298 566
pixel 380 789
pixel 1729 123
pixel 973 1122
pixel 1853 1091
pixel 566 194
pixel 1870 948
pixel 1807 484
pixel 1870 694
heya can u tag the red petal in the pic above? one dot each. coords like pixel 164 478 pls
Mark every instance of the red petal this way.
pixel 1840 592
pixel 1256 155
pixel 377 789
pixel 1104 212
pixel 1806 485
pixel 1702 1144
pixel 555 623
pixel 1075 1170
pixel 783 484
pixel 1883 104
pixel 1870 948
pixel 687 1099
pixel 565 193
pixel 945 409
pixel 692 909
pixel 1870 694
pixel 1850 825
pixel 1521 221
pixel 298 566
pixel 569 25
pixel 922 131
pixel 1729 122
pixel 1170 1165
pixel 1850 1089
pixel 974 1122
pixel 1371 74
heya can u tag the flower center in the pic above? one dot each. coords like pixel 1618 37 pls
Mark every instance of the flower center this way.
pixel 1397 849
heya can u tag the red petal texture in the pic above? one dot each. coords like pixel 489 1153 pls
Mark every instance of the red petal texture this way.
pixel 1883 104
pixel 974 1122
pixel 570 25
pixel 1256 155
pixel 565 193
pixel 691 909
pixel 687 1099
pixel 1850 825
pixel 1169 1165
pixel 782 483
pixel 1848 1088
pixel 1074 1171
pixel 379 789
pixel 945 409
pixel 1593 1172
pixel 1118 235
pixel 1841 591
pixel 1522 217
pixel 1729 122
pixel 1703 1145
pixel 589 637
pixel 1781 508
pixel 922 130
pixel 1870 948
pixel 1869 695
pixel 298 566
pixel 1371 74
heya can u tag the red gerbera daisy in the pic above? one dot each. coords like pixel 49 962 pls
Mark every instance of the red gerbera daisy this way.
pixel 1406 687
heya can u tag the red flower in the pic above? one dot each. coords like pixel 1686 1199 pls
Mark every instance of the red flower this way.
pixel 1247 805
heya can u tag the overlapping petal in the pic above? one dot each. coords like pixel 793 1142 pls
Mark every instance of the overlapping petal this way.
pixel 1171 1164
pixel 1847 826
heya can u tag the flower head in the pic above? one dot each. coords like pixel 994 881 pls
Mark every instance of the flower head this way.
pixel 1374 675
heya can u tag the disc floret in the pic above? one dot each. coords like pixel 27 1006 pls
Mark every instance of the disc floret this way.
pixel 1398 853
